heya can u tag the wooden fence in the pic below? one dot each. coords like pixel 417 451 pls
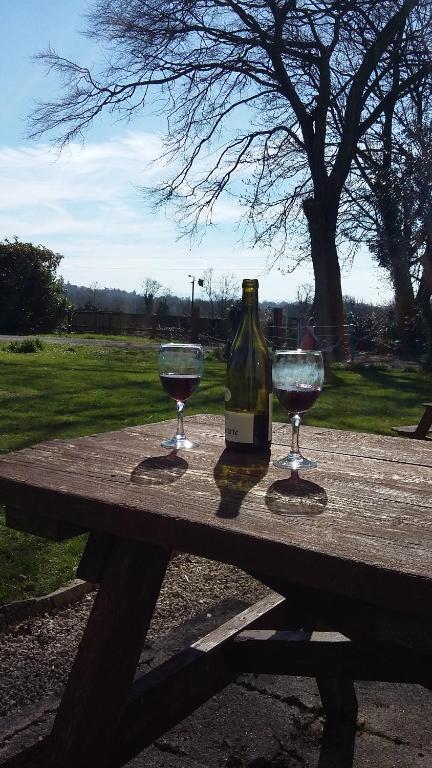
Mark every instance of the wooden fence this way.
pixel 279 330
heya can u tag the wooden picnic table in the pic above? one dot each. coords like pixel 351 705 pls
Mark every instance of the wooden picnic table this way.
pixel 347 551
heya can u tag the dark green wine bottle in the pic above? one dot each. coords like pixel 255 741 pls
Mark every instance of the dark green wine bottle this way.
pixel 248 388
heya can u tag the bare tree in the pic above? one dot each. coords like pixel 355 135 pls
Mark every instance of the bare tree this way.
pixel 227 291
pixel 150 289
pixel 304 299
pixel 395 212
pixel 309 75
pixel 209 289
pixel 92 295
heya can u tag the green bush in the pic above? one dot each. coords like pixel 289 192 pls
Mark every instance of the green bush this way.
pixel 32 297
pixel 26 345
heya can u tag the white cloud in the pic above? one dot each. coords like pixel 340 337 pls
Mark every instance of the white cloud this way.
pixel 37 176
pixel 87 205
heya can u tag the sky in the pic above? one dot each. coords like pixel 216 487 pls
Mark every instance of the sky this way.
pixel 87 203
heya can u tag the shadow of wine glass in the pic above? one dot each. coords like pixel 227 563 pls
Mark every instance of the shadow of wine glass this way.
pixel 296 496
pixel 235 474
pixel 159 470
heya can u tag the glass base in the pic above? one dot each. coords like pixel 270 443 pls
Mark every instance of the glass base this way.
pixel 295 461
pixel 179 443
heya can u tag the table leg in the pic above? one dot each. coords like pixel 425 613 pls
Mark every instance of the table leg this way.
pixel 338 698
pixel 425 423
pixel 338 695
pixel 84 730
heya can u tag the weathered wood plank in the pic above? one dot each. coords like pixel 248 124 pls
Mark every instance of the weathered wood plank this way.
pixel 108 462
pixel 401 493
pixel 335 441
pixel 294 547
pixel 364 526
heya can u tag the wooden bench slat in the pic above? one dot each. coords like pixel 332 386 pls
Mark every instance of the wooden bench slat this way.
pixel 325 654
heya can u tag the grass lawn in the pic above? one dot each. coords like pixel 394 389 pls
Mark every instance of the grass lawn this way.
pixel 70 391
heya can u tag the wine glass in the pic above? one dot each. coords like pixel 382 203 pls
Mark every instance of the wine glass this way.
pixel 298 377
pixel 180 371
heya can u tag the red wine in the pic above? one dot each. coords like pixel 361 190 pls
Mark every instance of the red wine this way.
pixel 179 386
pixel 297 400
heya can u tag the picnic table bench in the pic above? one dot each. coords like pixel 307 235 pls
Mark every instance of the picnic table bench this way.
pixel 347 553
pixel 420 431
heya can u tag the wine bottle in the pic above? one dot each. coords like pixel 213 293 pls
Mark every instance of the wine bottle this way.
pixel 248 388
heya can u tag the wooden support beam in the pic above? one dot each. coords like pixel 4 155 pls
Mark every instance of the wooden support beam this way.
pixel 324 654
pixel 95 557
pixel 166 695
pixel 354 618
pixel 339 699
pixel 95 697
pixel 41 525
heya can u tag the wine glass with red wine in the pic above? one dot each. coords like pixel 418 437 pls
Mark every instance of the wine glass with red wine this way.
pixel 298 376
pixel 180 370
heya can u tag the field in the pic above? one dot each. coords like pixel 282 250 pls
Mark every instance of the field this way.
pixel 69 391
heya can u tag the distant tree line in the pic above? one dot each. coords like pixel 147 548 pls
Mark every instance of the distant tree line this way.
pixel 218 293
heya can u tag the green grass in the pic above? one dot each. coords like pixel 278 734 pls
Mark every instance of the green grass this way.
pixel 371 399
pixel 142 338
pixel 69 391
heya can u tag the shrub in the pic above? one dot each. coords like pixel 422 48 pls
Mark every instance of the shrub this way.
pixel 25 346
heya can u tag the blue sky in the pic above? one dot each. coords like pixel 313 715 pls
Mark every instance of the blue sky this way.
pixel 87 204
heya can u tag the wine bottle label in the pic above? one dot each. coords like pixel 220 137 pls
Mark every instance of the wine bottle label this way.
pixel 239 427
pixel 270 417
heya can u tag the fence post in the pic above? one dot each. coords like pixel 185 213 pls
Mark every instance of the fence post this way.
pixel 153 326
pixel 278 329
pixel 195 320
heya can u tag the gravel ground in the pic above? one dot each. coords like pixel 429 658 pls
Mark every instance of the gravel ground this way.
pixel 35 657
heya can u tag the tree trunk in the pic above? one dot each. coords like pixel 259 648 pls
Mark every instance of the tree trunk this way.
pixel 328 305
pixel 404 302
pixel 399 264
pixel 424 301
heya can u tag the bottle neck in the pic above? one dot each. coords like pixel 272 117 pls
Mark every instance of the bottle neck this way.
pixel 250 303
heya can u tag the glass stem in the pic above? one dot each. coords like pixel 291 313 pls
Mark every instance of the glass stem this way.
pixel 295 421
pixel 180 427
